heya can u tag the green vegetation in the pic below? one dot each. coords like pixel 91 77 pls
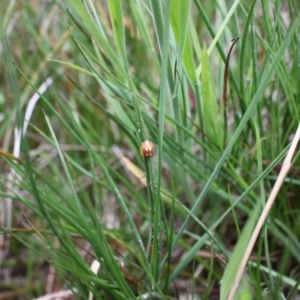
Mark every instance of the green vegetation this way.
pixel 214 85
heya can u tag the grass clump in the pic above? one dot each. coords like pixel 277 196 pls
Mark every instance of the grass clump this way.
pixel 213 86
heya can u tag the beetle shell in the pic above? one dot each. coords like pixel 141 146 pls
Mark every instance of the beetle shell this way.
pixel 147 149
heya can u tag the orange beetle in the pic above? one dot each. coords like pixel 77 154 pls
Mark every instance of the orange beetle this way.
pixel 147 149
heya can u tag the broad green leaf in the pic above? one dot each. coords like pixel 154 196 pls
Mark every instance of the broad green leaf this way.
pixel 116 16
pixel 210 110
pixel 237 255
pixel 179 22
